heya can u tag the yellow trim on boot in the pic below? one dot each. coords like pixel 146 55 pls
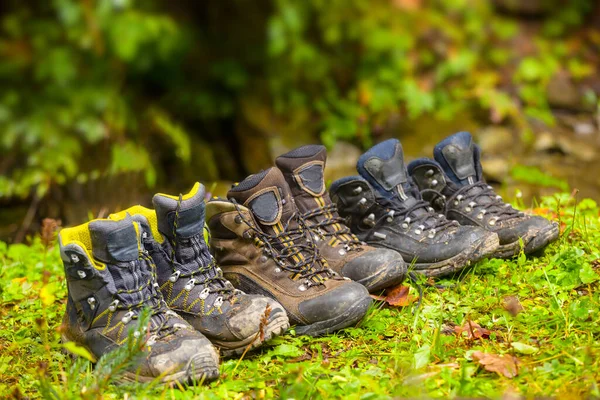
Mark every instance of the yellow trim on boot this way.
pixel 148 213
pixel 188 196
pixel 80 236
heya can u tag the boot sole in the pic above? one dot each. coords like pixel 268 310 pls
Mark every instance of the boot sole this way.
pixel 275 327
pixel 532 243
pixel 199 369
pixel 485 248
pixel 384 279
pixel 350 317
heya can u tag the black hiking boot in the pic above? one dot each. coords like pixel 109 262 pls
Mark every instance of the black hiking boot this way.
pixel 375 268
pixel 384 209
pixel 110 279
pixel 192 283
pixel 453 184
pixel 265 247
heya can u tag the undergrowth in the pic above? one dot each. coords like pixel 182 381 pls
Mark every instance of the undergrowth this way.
pixel 534 318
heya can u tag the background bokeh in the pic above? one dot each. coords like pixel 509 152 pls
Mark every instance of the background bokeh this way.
pixel 104 102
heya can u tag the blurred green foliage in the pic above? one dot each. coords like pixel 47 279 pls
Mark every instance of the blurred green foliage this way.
pixel 98 87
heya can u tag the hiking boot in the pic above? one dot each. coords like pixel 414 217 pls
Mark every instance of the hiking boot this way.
pixel 453 183
pixel 384 209
pixel 192 283
pixel 375 268
pixel 263 246
pixel 110 280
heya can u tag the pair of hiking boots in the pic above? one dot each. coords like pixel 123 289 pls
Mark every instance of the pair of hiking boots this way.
pixel 279 234
pixel 439 213
pixel 159 260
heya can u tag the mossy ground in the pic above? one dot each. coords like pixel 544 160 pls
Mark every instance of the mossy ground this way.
pixel 395 351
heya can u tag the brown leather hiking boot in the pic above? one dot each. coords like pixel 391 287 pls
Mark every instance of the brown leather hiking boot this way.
pixel 192 283
pixel 264 247
pixel 110 279
pixel 375 268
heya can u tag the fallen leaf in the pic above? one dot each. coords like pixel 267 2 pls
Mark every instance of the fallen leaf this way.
pixel 513 305
pixel 399 296
pixel 473 330
pixel 505 364
pixel 524 348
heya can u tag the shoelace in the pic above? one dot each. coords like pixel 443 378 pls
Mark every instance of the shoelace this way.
pixel 337 224
pixel 159 313
pixel 283 247
pixel 210 276
pixel 495 207
pixel 426 220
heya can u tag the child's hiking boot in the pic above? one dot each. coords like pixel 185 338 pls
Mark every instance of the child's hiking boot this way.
pixel 453 183
pixel 384 209
pixel 192 283
pixel 375 268
pixel 110 279
pixel 264 247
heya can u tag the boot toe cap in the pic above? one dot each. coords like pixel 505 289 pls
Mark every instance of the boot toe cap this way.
pixel 247 323
pixel 376 269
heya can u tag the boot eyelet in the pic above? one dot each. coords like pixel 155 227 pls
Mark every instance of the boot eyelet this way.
pixel 151 340
pixel 92 302
pixel 127 317
pixel 277 270
pixel 247 234
pixel 263 259
pixel 418 231
pixel 362 201
pixel 113 306
pixel 429 173
pixel 155 284
pixel 404 225
pixel 218 302
pixel 144 235
pixel 175 276
pixel 342 252
pixel 357 190
pixel 302 288
pixel 237 219
pixel 75 258
pixel 204 293
pixel 492 221
pixel 188 286
pixel 434 182
pixel 136 334
pixel 498 197
pixel 431 234
pixel 81 274
pixel 468 209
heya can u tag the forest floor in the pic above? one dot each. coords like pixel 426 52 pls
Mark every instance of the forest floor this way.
pixel 504 328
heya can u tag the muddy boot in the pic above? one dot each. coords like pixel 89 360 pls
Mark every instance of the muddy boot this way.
pixel 263 247
pixel 375 268
pixel 385 209
pixel 453 183
pixel 110 280
pixel 192 283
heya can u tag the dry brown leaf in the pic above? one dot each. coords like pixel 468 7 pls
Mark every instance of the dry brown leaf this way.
pixel 473 330
pixel 400 296
pixel 513 305
pixel 505 364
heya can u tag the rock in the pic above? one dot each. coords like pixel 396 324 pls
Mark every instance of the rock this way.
pixel 562 92
pixel 495 140
pixel 495 169
pixel 545 142
pixel 341 161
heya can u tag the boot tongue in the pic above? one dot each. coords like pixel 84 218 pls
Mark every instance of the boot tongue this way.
pixel 303 170
pixel 459 158
pixel 268 196
pixel 181 216
pixel 383 167
pixel 115 241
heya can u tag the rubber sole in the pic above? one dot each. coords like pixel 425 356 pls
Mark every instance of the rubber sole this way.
pixel 276 327
pixel 351 316
pixel 532 242
pixel 201 368
pixel 384 278
pixel 486 247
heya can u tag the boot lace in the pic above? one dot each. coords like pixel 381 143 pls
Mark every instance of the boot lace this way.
pixel 294 250
pixel 210 276
pixel 331 225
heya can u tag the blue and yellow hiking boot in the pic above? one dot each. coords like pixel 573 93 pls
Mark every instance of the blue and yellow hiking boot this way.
pixel 453 184
pixel 192 283
pixel 110 279
pixel 375 268
pixel 264 247
pixel 384 208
